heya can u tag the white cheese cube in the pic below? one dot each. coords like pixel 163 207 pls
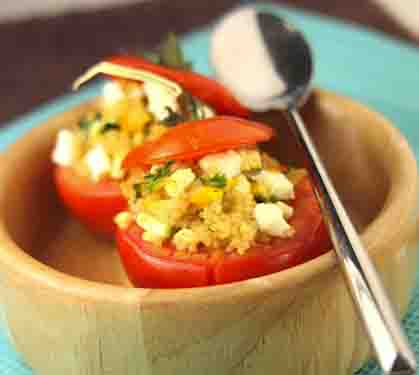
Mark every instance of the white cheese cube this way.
pixel 185 239
pixel 151 225
pixel 123 219
pixel 112 93
pixel 159 98
pixel 270 220
pixel 250 160
pixel 98 162
pixel 206 112
pixel 287 210
pixel 242 185
pixel 179 181
pixel 225 163
pixel 277 184
pixel 68 148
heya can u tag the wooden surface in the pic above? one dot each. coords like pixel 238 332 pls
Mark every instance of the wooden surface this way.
pixel 300 321
pixel 42 56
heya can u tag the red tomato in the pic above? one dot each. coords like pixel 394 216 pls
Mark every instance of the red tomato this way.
pixel 195 139
pixel 151 267
pixel 94 204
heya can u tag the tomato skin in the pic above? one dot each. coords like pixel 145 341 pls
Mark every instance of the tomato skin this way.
pixel 195 139
pixel 204 88
pixel 151 267
pixel 150 271
pixel 310 240
pixel 94 204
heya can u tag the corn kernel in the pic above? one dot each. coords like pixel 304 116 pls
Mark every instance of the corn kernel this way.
pixel 135 118
pixel 205 195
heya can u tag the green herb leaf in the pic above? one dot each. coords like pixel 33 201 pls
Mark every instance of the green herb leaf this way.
pixel 153 57
pixel 188 111
pixel 147 129
pixel 168 53
pixel 217 181
pixel 87 121
pixel 171 54
pixel 173 118
pixel 188 106
pixel 152 179
pixel 110 126
pixel 84 123
pixel 260 199
pixel 138 190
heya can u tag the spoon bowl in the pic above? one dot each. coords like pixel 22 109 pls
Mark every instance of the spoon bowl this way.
pixel 280 53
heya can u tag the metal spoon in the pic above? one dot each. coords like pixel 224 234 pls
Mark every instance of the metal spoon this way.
pixel 267 64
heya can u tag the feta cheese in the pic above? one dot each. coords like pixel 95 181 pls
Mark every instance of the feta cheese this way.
pixel 204 111
pixel 159 99
pixel 225 163
pixel 112 93
pixel 287 210
pixel 242 185
pixel 276 183
pixel 151 225
pixel 270 220
pixel 98 162
pixel 250 160
pixel 123 219
pixel 179 181
pixel 67 149
pixel 185 239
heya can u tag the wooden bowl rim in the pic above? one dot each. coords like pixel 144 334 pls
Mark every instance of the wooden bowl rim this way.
pixel 24 268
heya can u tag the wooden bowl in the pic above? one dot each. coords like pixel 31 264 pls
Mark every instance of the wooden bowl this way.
pixel 70 310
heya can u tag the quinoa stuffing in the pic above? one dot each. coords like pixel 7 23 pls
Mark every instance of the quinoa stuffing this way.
pixel 130 114
pixel 228 200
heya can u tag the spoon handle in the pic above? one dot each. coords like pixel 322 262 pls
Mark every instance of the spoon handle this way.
pixel 374 308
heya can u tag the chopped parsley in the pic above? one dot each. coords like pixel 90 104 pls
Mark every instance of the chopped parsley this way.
pixel 168 53
pixel 87 121
pixel 171 54
pixel 110 126
pixel 218 181
pixel 151 180
pixel 188 106
pixel 173 118
pixel 138 190
pixel 84 123
pixel 262 199
pixel 188 111
pixel 274 199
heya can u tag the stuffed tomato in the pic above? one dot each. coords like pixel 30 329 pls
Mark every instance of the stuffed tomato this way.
pixel 207 207
pixel 88 156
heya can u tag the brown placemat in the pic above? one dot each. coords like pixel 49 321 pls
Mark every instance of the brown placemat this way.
pixel 42 56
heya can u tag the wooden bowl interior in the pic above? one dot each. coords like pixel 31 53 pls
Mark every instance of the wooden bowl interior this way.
pixel 346 137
